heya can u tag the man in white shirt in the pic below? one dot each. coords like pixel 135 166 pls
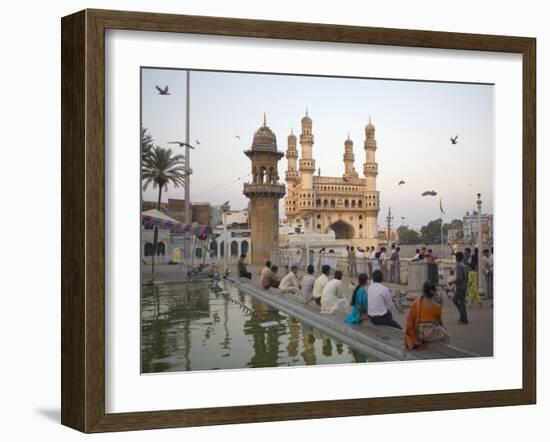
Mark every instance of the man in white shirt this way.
pixel 289 284
pixel 380 302
pixel 488 272
pixel 320 283
pixel 308 281
pixel 333 297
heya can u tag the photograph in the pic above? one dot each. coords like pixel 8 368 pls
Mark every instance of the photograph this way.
pixel 300 220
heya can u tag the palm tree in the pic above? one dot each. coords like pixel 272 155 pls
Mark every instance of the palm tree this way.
pixel 147 145
pixel 161 168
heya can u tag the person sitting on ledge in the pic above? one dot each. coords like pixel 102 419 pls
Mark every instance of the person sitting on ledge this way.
pixel 265 271
pixel 289 284
pixel 424 322
pixel 242 270
pixel 308 281
pixel 380 302
pixel 320 283
pixel 333 297
pixel 359 301
pixel 271 279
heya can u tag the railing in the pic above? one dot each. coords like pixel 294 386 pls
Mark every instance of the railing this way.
pixel 286 258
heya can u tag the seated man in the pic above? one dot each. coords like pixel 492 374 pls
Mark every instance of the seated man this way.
pixel 308 281
pixel 320 283
pixel 333 296
pixel 380 302
pixel 242 270
pixel 265 271
pixel 289 284
pixel 270 279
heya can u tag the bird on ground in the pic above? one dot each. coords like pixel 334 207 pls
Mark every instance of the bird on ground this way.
pixel 429 192
pixel 454 140
pixel 401 182
pixel 181 144
pixel 163 91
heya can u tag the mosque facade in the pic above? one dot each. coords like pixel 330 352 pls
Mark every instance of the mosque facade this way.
pixel 347 204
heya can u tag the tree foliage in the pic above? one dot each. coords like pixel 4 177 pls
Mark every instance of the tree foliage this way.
pixel 408 235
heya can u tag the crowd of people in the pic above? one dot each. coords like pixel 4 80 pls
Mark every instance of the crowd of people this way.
pixel 357 260
pixel 371 299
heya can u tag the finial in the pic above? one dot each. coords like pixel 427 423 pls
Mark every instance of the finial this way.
pixel 264 121
pixel 348 136
pixel 369 120
pixel 306 112
pixel 291 131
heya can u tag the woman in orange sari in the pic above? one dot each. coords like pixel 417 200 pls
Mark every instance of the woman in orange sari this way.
pixel 424 322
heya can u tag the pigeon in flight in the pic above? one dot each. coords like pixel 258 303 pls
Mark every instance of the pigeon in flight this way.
pixel 163 91
pixel 429 192
pixel 180 144
pixel 401 182
pixel 454 140
pixel 237 136
pixel 197 142
pixel 226 203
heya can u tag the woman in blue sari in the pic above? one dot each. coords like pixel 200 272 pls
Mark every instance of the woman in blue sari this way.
pixel 359 301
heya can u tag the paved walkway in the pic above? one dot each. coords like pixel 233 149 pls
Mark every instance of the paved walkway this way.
pixel 476 337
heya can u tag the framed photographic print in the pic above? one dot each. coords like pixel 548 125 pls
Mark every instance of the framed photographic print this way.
pixel 271 220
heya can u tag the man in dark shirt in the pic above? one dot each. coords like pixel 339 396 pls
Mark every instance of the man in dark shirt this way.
pixel 461 284
pixel 241 267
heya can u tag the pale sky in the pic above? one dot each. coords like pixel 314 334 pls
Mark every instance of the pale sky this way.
pixel 414 121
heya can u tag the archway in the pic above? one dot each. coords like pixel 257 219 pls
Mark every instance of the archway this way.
pixel 342 230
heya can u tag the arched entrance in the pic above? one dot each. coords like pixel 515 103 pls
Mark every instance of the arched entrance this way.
pixel 342 230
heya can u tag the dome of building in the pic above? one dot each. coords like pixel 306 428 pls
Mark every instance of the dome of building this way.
pixel 292 137
pixel 370 126
pixel 264 138
pixel 348 141
pixel 306 119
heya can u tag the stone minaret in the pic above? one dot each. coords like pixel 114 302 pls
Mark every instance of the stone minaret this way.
pixel 264 192
pixel 370 169
pixel 307 166
pixel 349 158
pixel 292 175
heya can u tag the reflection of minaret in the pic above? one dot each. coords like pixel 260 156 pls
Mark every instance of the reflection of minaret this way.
pixel 292 175
pixel 307 165
pixel 349 158
pixel 370 169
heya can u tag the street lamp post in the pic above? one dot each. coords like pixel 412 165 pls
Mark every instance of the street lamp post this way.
pixel 225 209
pixel 479 241
pixel 187 207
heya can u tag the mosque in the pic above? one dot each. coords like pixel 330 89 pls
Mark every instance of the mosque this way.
pixel 348 205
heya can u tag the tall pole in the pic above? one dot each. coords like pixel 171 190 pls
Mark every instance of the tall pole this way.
pixel 307 239
pixel 479 239
pixel 187 208
pixel 187 170
pixel 389 219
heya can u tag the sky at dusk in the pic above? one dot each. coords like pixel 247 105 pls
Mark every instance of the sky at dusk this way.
pixel 413 120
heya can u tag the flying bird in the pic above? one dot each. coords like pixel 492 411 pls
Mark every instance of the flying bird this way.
pixel 197 142
pixel 429 192
pixel 236 136
pixel 454 140
pixel 163 91
pixel 226 203
pixel 401 182
pixel 181 144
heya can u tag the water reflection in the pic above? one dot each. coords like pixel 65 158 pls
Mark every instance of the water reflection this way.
pixel 188 327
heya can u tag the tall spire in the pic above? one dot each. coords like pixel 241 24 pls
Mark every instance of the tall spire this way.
pixel 306 112
pixel 369 120
pixel 265 124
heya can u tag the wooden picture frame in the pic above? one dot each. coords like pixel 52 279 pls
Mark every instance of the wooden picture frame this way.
pixel 83 219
